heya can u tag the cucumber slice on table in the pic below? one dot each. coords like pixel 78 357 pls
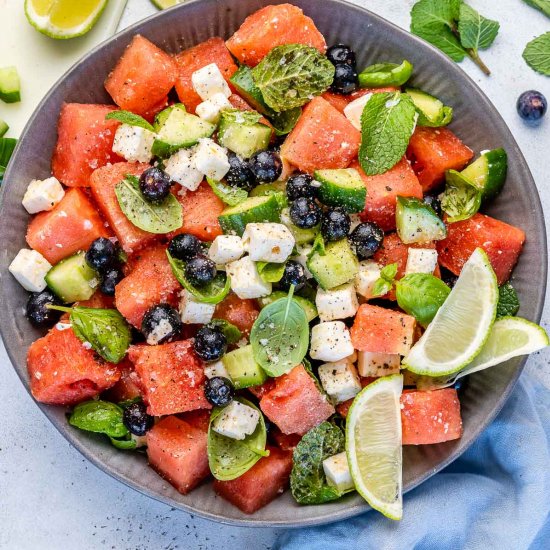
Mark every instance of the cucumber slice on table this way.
pixel 243 369
pixel 242 137
pixel 417 222
pixel 253 210
pixel 3 128
pixel 308 306
pixel 336 266
pixel 342 187
pixel 431 111
pixel 10 87
pixel 488 173
pixel 72 279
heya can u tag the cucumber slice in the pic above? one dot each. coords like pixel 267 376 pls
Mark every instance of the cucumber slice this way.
pixel 385 74
pixel 431 111
pixel 253 210
pixel 301 236
pixel 342 187
pixel 10 87
pixel 488 173
pixel 308 306
pixel 243 369
pixel 161 117
pixel 268 188
pixel 72 279
pixel 335 267
pixel 247 89
pixel 3 128
pixel 417 222
pixel 241 136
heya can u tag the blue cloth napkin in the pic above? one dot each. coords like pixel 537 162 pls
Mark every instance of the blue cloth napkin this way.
pixel 495 496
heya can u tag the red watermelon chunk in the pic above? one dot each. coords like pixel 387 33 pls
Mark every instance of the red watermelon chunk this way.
pixel 295 404
pixel 150 114
pixel 195 58
pixel 64 372
pixel 150 282
pixel 433 151
pixel 241 313
pixel 323 138
pixel 128 386
pixel 259 391
pixel 176 449
pixel 430 416
pixel 270 27
pixel 84 142
pixel 340 101
pixel 71 226
pixel 142 77
pixel 285 442
pixel 172 377
pixel 103 183
pixel 265 481
pixel 380 330
pixel 502 243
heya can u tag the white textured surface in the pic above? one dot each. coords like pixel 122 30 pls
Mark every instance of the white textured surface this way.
pixel 50 497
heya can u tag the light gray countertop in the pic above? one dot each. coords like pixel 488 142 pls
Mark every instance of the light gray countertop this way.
pixel 52 498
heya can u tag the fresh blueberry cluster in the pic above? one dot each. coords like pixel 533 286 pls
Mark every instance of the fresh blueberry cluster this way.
pixel 345 69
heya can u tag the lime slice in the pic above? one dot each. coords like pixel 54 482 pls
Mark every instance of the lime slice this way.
pixel 373 445
pixel 462 324
pixel 63 18
pixel 163 4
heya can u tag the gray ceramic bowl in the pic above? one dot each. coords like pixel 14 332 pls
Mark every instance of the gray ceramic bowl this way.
pixel 374 40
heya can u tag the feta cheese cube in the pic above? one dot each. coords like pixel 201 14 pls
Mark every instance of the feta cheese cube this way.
pixel 338 303
pixel 226 248
pixel 378 364
pixel 268 242
pixel 245 279
pixel 421 260
pixel 216 369
pixel 193 311
pixel 181 168
pixel 340 380
pixel 236 420
pixel 211 159
pixel 210 109
pixel 330 341
pixel 133 143
pixel 337 472
pixel 42 195
pixel 30 268
pixel 354 110
pixel 368 274
pixel 209 81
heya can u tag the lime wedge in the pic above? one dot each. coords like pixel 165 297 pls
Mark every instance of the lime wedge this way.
pixel 373 445
pixel 462 324
pixel 63 19
pixel 163 4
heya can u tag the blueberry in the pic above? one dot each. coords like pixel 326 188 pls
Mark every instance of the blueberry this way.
pixel 184 246
pixel 240 174
pixel 335 224
pixel 110 279
pixel 136 419
pixel 300 185
pixel 219 391
pixel 266 166
pixel 161 323
pixel 210 343
pixel 305 213
pixel 37 310
pixel 531 106
pixel 294 274
pixel 102 254
pixel 200 270
pixel 367 238
pixel 155 184
pixel 448 278
pixel 345 79
pixel 434 203
pixel 340 53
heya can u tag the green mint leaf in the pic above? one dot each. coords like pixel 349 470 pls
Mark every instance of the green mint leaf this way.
pixel 537 54
pixel 270 272
pixel 291 75
pixel 461 198
pixel 126 117
pixel 227 194
pixel 387 124
pixel 284 122
pixel 99 417
pixel 230 331
pixel 381 287
pixel 541 5
pixel 385 283
pixel 476 32
pixel 508 301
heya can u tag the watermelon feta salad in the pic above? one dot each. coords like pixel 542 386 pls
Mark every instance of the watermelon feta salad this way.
pixel 253 234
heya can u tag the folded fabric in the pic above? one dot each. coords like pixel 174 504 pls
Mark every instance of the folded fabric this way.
pixel 496 495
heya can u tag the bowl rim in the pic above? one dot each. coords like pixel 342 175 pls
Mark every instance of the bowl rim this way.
pixel 346 511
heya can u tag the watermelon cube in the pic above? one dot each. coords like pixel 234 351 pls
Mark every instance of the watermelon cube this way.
pixel 502 243
pixel 430 416
pixel 172 377
pixel 322 138
pixel 259 391
pixel 432 151
pixel 285 442
pixel 270 27
pixel 70 227
pixel 64 372
pixel 265 481
pixel 340 101
pixel 142 77
pixel 241 313
pixel 128 386
pixel 295 404
pixel 176 449
pixel 84 142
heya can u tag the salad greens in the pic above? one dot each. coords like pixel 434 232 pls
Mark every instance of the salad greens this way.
pixel 541 5
pixel 385 74
pixel 385 283
pixel 270 272
pixel 508 301
pixel 127 117
pixel 230 331
pixel 461 198
pixel 537 54
pixel 226 193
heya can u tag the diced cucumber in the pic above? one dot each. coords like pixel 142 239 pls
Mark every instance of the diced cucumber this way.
pixel 240 136
pixel 431 111
pixel 308 306
pixel 247 89
pixel 180 129
pixel 10 87
pixel 301 236
pixel 161 117
pixel 3 128
pixel 342 187
pixel 253 210
pixel 488 173
pixel 417 222
pixel 72 279
pixel 243 369
pixel 337 266
pixel 268 188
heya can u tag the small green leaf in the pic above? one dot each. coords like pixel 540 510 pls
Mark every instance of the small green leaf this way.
pixel 537 54
pixel 461 198
pixel 541 5
pixel 127 444
pixel 385 74
pixel 389 272
pixel 387 278
pixel 476 31
pixel 126 117
pixel 270 272
pixel 226 193
pixel 100 417
pixel 284 122
pixel 231 332
pixel 508 301
pixel 318 246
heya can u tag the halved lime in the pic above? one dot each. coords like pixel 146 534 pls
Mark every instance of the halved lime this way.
pixel 163 4
pixel 373 445
pixel 462 324
pixel 63 19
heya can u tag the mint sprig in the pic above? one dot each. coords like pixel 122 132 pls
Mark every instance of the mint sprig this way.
pixel 541 5
pixel 126 117
pixel 386 281
pixel 537 54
